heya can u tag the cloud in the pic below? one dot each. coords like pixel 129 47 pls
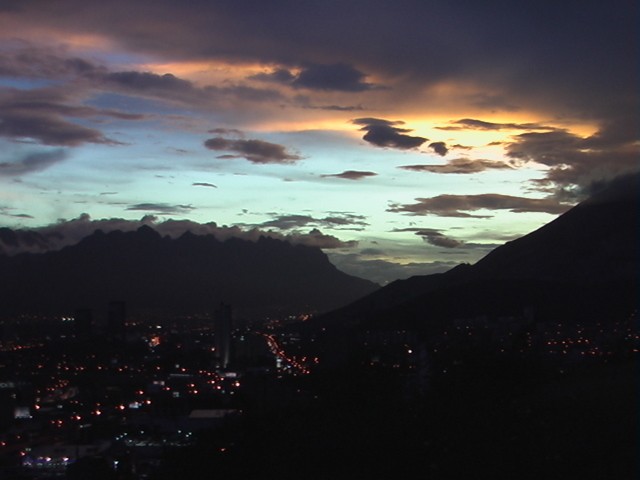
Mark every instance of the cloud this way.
pixel 474 124
pixel 460 166
pixel 335 108
pixel 91 78
pixel 279 75
pixel 229 132
pixel 333 77
pixel 371 251
pixel 169 88
pixel 338 76
pixel 256 151
pixel 434 237
pixel 458 205
pixel 287 222
pixel 344 221
pixel 41 115
pixel 351 175
pixel 383 271
pixel 69 232
pixel 494 56
pixel 622 187
pixel 147 81
pixel 492 102
pixel 161 208
pixel 24 60
pixel 576 162
pixel 315 238
pixel 339 220
pixel 383 133
pixel 204 184
pixel 439 147
pixel 33 162
pixel 8 212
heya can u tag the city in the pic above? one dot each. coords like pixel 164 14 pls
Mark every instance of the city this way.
pixel 126 399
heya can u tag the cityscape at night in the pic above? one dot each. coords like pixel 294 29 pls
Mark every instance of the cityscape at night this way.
pixel 319 240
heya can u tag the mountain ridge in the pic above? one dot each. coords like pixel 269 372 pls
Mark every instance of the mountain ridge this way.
pixel 581 263
pixel 191 272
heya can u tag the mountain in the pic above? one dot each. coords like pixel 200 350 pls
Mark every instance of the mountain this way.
pixel 192 273
pixel 582 266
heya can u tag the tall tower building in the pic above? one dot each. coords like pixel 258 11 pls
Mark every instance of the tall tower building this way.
pixel 83 322
pixel 116 319
pixel 223 325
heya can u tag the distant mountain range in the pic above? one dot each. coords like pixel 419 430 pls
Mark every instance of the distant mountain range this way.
pixel 581 267
pixel 192 273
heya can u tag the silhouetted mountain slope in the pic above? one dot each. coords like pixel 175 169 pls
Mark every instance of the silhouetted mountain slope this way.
pixel 589 243
pixel 582 265
pixel 188 274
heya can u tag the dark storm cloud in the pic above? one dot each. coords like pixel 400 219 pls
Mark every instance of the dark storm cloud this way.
pixel 338 77
pixel 622 187
pixel 577 161
pixel 439 147
pixel 434 237
pixel 335 77
pixel 385 133
pixel 459 205
pixel 564 55
pixel 33 162
pixel 256 151
pixel 352 175
pixel 204 184
pixel 161 208
pixel 461 166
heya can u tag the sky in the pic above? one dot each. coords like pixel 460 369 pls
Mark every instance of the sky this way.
pixel 402 137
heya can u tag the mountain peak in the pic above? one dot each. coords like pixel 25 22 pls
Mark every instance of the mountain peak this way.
pixel 190 274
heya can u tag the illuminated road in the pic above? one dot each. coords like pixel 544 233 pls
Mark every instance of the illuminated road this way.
pixel 279 352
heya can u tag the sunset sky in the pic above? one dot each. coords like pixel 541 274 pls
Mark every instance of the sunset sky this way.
pixel 402 137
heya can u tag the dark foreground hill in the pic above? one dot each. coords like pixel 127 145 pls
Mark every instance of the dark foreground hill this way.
pixel 189 274
pixel 582 266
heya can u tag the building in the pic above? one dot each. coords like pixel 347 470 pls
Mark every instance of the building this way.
pixel 116 319
pixel 223 326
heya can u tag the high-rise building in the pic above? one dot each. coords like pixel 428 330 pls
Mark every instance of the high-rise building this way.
pixel 116 319
pixel 83 321
pixel 223 325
